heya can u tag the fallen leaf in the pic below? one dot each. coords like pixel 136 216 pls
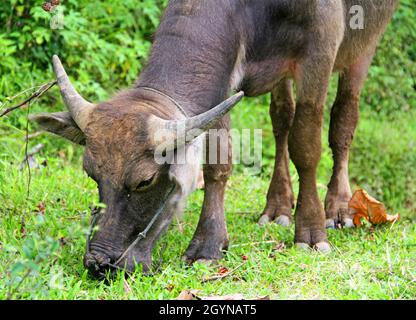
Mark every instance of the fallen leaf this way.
pixel 62 241
pixel 47 6
pixel 223 271
pixel 370 209
pixel 280 247
pixel 170 287
pixel 188 295
pixel 41 207
pixel 22 228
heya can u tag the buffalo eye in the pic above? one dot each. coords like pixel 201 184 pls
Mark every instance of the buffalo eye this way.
pixel 145 184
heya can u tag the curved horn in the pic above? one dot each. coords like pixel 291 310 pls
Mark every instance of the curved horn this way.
pixel 77 105
pixel 205 120
pixel 175 133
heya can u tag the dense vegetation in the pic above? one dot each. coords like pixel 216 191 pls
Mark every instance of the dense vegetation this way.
pixel 104 44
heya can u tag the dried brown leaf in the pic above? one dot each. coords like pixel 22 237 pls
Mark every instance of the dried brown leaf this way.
pixel 41 208
pixel 280 247
pixel 229 297
pixel 188 295
pixel 222 271
pixel 370 209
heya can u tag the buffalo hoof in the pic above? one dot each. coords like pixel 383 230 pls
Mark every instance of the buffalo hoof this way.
pixel 340 218
pixel 189 260
pixel 330 224
pixel 311 236
pixel 323 247
pixel 264 220
pixel 302 246
pixel 335 223
pixel 205 250
pixel 281 220
pixel 348 223
pixel 206 262
pixel 284 221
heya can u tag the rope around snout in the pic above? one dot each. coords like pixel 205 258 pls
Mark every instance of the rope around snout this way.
pixel 142 235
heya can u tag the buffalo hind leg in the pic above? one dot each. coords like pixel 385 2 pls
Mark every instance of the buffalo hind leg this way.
pixel 305 151
pixel 211 237
pixel 344 118
pixel 280 199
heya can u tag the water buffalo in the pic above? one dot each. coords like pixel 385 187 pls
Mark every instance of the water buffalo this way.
pixel 202 51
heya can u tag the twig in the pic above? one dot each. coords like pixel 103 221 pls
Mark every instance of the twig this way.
pixel 23 92
pixel 29 179
pixel 253 243
pixel 38 93
pixel 35 134
pixel 222 276
pixel 11 291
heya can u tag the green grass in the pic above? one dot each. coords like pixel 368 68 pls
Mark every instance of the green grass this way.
pixel 43 260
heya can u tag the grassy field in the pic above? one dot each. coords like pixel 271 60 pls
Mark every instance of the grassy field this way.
pixel 42 239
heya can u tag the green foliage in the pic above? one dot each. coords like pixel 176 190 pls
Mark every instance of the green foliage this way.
pixel 383 160
pixel 391 86
pixel 103 43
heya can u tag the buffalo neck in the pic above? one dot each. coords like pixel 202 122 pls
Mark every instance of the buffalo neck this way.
pixel 192 58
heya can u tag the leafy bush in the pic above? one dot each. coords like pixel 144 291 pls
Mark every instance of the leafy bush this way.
pixel 391 86
pixel 103 43
pixel 383 160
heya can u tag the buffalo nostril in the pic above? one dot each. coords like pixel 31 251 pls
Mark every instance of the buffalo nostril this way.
pixel 97 263
pixel 102 260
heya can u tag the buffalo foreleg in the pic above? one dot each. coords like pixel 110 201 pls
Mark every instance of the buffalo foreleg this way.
pixel 211 237
pixel 305 150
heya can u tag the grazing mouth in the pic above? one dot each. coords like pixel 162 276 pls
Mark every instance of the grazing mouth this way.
pixel 100 263
pixel 101 266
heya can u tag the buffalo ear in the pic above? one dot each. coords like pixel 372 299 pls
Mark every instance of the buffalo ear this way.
pixel 61 124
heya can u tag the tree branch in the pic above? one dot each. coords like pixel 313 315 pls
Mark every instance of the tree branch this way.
pixel 38 93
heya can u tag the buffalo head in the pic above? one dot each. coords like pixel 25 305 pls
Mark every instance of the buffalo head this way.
pixel 121 137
